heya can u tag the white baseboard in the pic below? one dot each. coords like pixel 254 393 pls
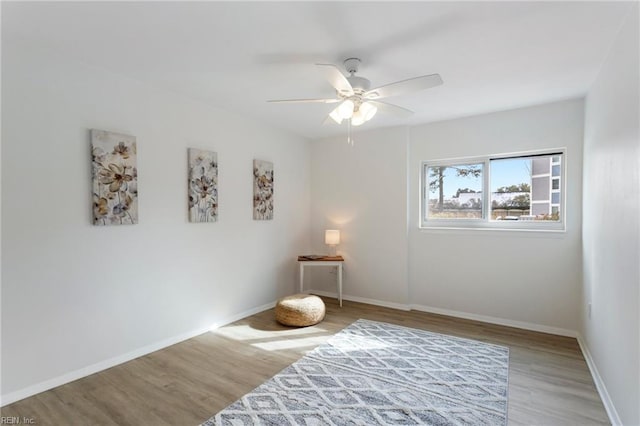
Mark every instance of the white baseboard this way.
pixel 499 321
pixel 368 301
pixel 244 314
pixel 614 418
pixel 457 314
pixel 112 362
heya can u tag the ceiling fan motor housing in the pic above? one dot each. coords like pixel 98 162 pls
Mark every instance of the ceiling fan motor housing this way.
pixel 359 84
pixel 351 65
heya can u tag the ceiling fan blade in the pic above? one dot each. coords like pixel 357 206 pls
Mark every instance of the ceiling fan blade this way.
pixel 405 86
pixel 335 77
pixel 391 108
pixel 301 101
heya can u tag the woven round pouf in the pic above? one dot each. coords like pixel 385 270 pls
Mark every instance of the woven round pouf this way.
pixel 300 310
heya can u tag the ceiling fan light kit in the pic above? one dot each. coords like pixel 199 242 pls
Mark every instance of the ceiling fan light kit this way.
pixel 359 104
pixel 358 114
pixel 363 113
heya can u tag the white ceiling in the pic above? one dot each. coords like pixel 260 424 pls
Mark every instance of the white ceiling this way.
pixel 492 55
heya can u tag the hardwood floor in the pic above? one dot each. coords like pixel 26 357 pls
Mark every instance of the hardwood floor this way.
pixel 185 384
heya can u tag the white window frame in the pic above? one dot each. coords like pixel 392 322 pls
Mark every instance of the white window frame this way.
pixel 486 223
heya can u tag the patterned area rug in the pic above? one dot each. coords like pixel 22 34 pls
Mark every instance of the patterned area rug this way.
pixel 373 373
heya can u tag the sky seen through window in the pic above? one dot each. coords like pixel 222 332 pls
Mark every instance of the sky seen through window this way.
pixel 507 172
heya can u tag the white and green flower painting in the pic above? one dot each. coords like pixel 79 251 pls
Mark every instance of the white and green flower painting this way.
pixel 115 178
pixel 262 190
pixel 203 186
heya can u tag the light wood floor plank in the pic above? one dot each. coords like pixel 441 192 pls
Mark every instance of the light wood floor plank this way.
pixel 549 381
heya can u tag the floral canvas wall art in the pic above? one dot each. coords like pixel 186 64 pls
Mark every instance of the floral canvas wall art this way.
pixel 115 178
pixel 262 190
pixel 203 186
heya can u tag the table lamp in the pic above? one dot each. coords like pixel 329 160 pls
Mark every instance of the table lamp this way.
pixel 332 239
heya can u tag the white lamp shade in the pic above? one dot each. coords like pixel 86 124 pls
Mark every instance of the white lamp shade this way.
pixel 335 115
pixel 357 118
pixel 345 110
pixel 368 110
pixel 332 237
pixel 364 113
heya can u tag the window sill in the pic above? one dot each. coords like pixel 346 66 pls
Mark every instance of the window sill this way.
pixel 489 227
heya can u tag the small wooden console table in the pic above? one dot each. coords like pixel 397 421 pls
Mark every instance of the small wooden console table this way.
pixel 337 261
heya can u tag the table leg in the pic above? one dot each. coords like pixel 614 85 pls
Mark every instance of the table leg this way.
pixel 301 276
pixel 340 284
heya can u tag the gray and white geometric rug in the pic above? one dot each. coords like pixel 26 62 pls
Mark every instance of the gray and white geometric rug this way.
pixel 373 373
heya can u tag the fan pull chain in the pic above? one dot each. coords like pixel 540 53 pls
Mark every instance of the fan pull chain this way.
pixel 349 138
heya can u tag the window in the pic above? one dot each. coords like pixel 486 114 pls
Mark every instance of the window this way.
pixel 518 191
pixel 462 184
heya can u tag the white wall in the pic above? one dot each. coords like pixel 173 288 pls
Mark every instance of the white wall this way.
pixel 611 232
pixel 526 277
pixel 362 191
pixel 77 296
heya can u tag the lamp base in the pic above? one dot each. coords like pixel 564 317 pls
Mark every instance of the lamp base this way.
pixel 333 250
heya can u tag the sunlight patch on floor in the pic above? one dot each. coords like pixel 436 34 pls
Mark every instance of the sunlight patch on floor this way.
pixel 291 343
pixel 245 332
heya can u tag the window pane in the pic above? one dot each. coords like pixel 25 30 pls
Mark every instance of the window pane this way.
pixel 521 188
pixel 511 187
pixel 454 192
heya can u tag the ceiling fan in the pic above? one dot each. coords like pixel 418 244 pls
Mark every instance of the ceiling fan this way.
pixel 358 102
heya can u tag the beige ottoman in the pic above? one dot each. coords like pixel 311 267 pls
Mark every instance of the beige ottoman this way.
pixel 300 310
